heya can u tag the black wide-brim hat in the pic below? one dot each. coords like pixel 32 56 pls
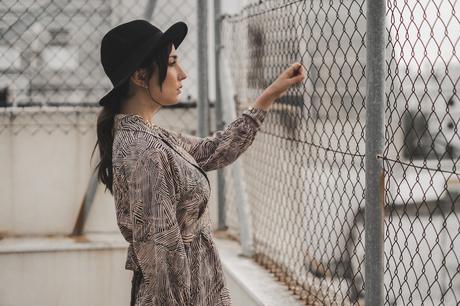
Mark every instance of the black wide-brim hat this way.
pixel 124 48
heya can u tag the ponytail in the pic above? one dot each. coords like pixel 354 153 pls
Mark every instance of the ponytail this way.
pixel 105 123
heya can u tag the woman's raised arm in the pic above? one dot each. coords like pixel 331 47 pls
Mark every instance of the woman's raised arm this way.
pixel 225 146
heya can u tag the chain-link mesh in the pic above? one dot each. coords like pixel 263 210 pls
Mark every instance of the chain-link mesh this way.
pixel 305 173
pixel 422 244
pixel 50 54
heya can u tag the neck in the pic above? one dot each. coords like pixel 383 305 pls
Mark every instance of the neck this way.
pixel 142 106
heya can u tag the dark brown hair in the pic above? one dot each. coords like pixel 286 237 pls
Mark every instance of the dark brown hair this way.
pixel 106 116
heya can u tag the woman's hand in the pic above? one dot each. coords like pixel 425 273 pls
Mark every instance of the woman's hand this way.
pixel 291 76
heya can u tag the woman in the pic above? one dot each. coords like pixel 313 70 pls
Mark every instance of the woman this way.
pixel 157 176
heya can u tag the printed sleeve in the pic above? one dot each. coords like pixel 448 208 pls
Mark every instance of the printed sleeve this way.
pixel 224 146
pixel 157 241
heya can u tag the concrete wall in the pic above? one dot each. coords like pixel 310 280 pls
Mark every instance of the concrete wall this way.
pixel 63 271
pixel 45 166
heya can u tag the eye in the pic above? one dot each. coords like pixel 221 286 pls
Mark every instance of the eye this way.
pixel 173 63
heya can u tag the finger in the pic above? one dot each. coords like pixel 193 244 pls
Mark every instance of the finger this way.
pixel 295 69
pixel 298 78
pixel 289 71
pixel 298 72
pixel 296 65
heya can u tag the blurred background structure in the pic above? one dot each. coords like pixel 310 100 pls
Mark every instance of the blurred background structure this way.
pixel 297 201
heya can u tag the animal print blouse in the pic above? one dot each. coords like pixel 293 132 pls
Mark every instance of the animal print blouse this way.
pixel 161 193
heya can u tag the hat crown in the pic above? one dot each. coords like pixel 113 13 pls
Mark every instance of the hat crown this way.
pixel 124 48
pixel 121 42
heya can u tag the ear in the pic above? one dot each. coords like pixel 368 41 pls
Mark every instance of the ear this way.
pixel 139 77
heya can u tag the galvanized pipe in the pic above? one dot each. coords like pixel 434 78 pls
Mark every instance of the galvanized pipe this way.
pixel 202 103
pixel 375 133
pixel 86 204
pixel 150 9
pixel 243 211
pixel 242 206
pixel 220 124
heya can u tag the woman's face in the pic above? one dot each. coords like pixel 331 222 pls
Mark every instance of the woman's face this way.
pixel 169 94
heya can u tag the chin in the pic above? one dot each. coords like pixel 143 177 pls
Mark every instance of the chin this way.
pixel 171 101
pixel 177 100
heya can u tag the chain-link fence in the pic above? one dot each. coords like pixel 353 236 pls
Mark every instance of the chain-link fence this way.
pixel 422 243
pixel 305 174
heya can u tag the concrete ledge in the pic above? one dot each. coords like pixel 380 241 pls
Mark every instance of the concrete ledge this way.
pixel 249 283
pixel 62 243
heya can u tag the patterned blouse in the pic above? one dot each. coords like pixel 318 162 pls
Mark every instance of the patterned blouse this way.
pixel 161 193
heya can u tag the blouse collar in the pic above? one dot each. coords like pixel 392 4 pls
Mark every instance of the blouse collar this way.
pixel 137 123
pixel 132 121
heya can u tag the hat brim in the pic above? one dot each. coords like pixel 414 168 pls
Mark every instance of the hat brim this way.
pixel 175 34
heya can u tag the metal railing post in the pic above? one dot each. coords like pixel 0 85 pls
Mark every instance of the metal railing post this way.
pixel 375 133
pixel 243 211
pixel 220 124
pixel 242 207
pixel 203 105
pixel 87 203
pixel 150 9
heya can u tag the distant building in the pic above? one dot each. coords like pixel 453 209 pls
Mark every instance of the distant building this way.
pixel 50 50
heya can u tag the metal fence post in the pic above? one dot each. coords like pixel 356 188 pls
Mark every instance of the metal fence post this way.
pixel 375 115
pixel 221 224
pixel 203 105
pixel 242 207
pixel 150 9
pixel 87 203
pixel 243 211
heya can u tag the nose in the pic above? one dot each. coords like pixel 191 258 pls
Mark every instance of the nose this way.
pixel 181 76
